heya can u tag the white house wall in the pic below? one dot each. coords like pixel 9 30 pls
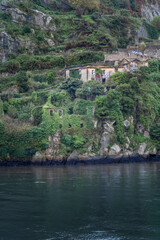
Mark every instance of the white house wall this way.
pixel 67 74
pixel 84 75
pixel 89 73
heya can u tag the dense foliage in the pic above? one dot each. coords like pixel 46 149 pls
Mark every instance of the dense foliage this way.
pixel 26 124
pixel 37 103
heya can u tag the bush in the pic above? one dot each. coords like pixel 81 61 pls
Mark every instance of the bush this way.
pixel 152 31
pixel 71 85
pixel 37 114
pixel 40 78
pixel 26 29
pixel 11 66
pixel 90 90
pixel 156 22
pixel 67 139
pixel 22 81
pixel 51 77
pixel 81 105
pixel 74 73
pixel 84 58
pixel 78 142
pixel 1 108
pixel 12 111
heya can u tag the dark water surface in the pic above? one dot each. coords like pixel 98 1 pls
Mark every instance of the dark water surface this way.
pixel 111 202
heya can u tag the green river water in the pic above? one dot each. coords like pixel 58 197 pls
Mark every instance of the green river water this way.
pixel 105 202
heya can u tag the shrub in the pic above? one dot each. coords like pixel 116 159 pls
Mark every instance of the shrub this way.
pixel 71 85
pixel 22 81
pixel 154 66
pixel 81 105
pixel 67 139
pixel 37 114
pixel 51 77
pixel 78 142
pixel 26 29
pixel 12 111
pixel 1 108
pixel 12 66
pixel 155 132
pixel 90 90
pixel 40 78
pixel 156 22
pixel 74 73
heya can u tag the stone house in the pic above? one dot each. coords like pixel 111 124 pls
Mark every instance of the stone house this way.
pixel 128 59
pixel 90 72
pixel 120 61
pixel 52 110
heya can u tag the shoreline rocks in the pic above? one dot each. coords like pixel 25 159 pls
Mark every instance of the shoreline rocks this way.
pixel 75 159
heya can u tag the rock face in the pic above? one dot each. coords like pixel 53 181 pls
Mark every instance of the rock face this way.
pixel 142 148
pixel 141 33
pixel 151 10
pixel 35 18
pixel 115 149
pixel 8 45
pixel 107 137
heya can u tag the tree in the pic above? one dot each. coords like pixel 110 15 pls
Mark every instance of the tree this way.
pixel 155 132
pixel 37 114
pixel 1 108
pixel 74 73
pixel 120 77
pixel 12 66
pixel 51 77
pixel 90 90
pixel 142 46
pixel 156 22
pixel 154 65
pixel 22 81
pixel 71 85
pixel 108 107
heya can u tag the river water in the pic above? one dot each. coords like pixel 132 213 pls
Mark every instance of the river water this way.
pixel 106 202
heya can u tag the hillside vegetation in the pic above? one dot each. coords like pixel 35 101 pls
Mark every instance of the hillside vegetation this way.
pixel 44 114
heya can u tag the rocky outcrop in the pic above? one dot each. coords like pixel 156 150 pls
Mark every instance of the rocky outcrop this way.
pixel 142 148
pixel 115 149
pixel 8 45
pixel 141 33
pixel 36 18
pixel 107 137
pixel 150 10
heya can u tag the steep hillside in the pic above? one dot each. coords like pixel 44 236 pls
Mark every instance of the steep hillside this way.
pixel 51 27
pixel 43 115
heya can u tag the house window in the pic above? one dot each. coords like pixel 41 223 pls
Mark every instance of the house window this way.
pixel 93 72
pixel 81 125
pixel 103 80
pixel 51 112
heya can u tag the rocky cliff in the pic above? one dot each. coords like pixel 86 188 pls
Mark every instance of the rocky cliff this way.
pixel 150 9
pixel 27 27
pixel 12 43
pixel 109 148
